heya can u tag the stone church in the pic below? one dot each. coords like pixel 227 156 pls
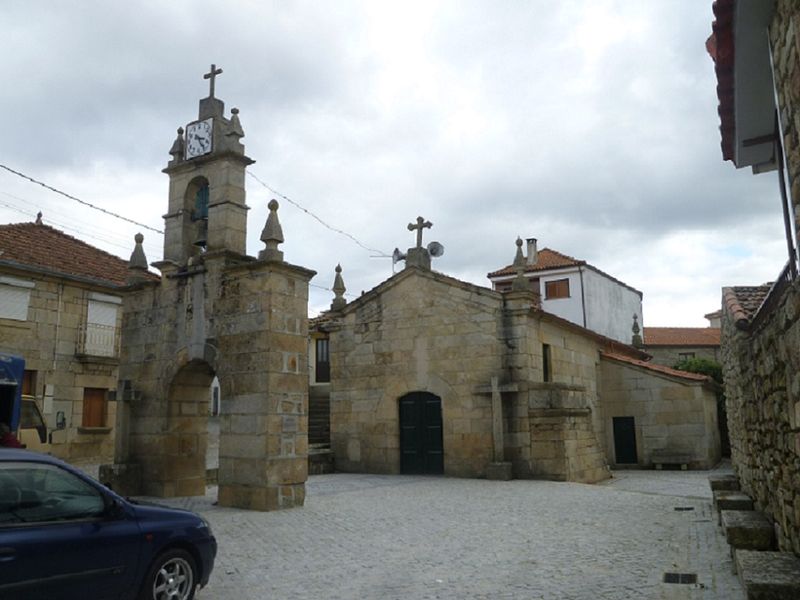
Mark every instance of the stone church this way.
pixel 429 374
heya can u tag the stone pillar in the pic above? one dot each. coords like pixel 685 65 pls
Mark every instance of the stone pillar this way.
pixel 263 454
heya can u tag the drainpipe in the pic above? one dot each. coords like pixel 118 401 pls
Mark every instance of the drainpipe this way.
pixel 583 297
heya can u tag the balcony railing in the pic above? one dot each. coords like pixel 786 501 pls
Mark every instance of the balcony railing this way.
pixel 773 297
pixel 99 340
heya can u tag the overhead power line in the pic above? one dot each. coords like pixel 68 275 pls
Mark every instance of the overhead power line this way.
pixel 89 204
pixel 381 253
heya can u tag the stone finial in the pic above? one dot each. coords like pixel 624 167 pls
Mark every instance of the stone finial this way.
pixel 338 289
pixel 137 266
pixel 236 126
pixel 177 146
pixel 520 283
pixel 636 340
pixel 272 235
pixel 39 218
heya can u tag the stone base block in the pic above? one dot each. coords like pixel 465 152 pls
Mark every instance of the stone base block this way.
pixel 747 530
pixel 320 462
pixel 124 478
pixel 262 498
pixel 731 500
pixel 768 575
pixel 499 471
pixel 723 482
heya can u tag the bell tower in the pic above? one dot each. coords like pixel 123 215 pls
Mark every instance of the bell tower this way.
pixel 207 210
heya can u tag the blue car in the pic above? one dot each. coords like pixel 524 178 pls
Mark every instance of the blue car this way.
pixel 63 535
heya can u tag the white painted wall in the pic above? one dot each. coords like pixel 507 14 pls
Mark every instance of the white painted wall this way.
pixel 610 306
pixel 570 308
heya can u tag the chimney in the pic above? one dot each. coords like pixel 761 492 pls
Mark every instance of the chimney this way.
pixel 533 255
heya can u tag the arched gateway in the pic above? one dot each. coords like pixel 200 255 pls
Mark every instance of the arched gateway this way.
pixel 215 311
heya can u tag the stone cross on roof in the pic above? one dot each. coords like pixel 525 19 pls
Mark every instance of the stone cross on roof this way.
pixel 421 223
pixel 212 75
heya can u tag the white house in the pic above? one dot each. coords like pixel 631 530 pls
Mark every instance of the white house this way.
pixel 577 291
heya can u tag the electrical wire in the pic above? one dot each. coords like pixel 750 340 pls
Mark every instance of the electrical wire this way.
pixel 380 253
pixel 90 205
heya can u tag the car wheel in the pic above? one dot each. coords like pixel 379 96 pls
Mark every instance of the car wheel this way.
pixel 172 576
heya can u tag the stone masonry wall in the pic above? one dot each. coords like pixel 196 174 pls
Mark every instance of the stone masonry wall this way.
pixel 49 341
pixel 785 41
pixel 416 335
pixel 672 416
pixel 762 389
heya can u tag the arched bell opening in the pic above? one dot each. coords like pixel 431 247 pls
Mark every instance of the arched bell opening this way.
pixel 195 205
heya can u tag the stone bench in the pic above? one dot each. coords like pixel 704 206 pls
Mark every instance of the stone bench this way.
pixel 730 500
pixel 659 458
pixel 723 482
pixel 768 575
pixel 747 530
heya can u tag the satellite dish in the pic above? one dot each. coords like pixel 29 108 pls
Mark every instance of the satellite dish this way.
pixel 397 256
pixel 436 249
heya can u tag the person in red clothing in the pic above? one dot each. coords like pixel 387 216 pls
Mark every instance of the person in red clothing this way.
pixel 7 438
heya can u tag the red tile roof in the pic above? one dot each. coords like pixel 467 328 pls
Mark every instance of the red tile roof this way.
pixel 44 247
pixel 681 336
pixel 742 302
pixel 720 45
pixel 546 259
pixel 657 368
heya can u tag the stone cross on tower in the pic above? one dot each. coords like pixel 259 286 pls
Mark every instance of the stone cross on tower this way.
pixel 212 75
pixel 419 256
pixel 421 224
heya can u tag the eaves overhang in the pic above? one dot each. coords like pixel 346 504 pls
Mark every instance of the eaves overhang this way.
pixel 739 46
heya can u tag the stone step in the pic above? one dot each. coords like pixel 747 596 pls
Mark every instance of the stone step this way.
pixel 747 530
pixel 727 481
pixel 730 500
pixel 768 575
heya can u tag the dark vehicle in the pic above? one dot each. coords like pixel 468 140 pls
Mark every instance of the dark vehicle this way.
pixel 11 370
pixel 65 536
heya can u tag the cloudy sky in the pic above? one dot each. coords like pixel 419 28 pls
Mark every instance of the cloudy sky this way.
pixel 588 124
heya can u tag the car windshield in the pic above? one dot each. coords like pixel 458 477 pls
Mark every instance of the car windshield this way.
pixel 40 493
pixel 30 417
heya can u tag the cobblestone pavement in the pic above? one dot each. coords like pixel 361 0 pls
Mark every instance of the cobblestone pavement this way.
pixel 380 536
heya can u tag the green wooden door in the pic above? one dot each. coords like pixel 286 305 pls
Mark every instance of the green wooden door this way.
pixel 421 447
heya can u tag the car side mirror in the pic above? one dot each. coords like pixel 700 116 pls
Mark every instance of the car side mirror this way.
pixel 114 508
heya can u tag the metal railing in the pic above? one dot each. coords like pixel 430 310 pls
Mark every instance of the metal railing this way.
pixel 98 340
pixel 773 297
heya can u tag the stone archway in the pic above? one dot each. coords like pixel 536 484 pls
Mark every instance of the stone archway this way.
pixel 187 428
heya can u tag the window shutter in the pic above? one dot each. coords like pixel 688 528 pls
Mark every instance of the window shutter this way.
pixel 14 302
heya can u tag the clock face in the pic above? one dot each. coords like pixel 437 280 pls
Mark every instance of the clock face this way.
pixel 198 138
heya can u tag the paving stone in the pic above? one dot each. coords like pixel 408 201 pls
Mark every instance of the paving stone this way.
pixel 747 529
pixel 769 575
pixel 389 537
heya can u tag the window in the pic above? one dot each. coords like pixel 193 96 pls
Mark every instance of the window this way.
pixel 547 363
pixel 94 407
pixel 201 203
pixel 323 362
pixel 37 493
pixel 685 355
pixel 101 325
pixel 15 296
pixel 29 383
pixel 558 288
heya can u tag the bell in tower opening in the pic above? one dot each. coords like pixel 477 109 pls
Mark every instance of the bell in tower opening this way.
pixel 207 209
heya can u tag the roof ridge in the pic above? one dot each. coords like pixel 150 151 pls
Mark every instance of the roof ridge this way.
pixel 657 368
